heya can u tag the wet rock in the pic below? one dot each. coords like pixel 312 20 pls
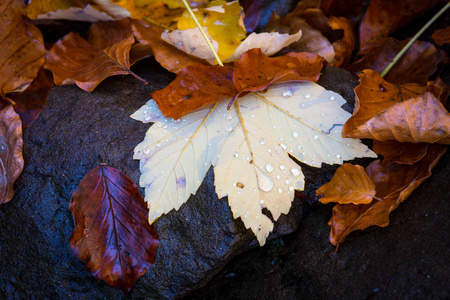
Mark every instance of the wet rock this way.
pixel 60 147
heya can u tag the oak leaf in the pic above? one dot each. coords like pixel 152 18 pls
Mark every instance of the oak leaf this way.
pixel 350 184
pixel 425 56
pixel 393 183
pixel 74 60
pixel 111 232
pixel 22 47
pixel 199 85
pixel 378 101
pixel 31 102
pixel 11 158
pixel 249 147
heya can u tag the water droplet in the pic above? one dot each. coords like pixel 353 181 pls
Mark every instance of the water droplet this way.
pixel 299 147
pixel 274 126
pixel 268 150
pixel 177 121
pixel 269 168
pixel 307 96
pixel 281 139
pixel 291 188
pixel 280 191
pixel 287 181
pixel 147 151
pixel 234 184
pixel 162 172
pixel 179 43
pixel 236 154
pixel 295 171
pixel 229 129
pixel 338 156
pixel 230 117
pixel 291 150
pixel 264 182
pixel 332 98
pixel 282 167
pixel 284 146
pixel 295 134
pixel 159 144
pixel 287 94
pixel 313 162
pixel 262 141
pixel 252 116
pixel 210 144
pixel 147 118
pixel 277 151
pixel 278 177
pixel 323 115
pixel 261 201
pixel 316 137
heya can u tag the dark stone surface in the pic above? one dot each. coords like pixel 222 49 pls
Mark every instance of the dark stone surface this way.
pixel 60 147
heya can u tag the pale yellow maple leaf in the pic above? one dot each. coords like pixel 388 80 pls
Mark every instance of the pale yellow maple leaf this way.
pixel 249 147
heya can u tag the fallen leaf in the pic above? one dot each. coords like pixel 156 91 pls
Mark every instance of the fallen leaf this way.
pixel 11 158
pixel 393 183
pixel 350 9
pixel 249 147
pixel 166 54
pixel 36 8
pixel 73 60
pixel 350 184
pixel 105 34
pixel 111 232
pixel 253 13
pixel 22 47
pixel 375 96
pixel 441 36
pixel 31 102
pixel 385 17
pixel 224 22
pixel 425 56
pixel 86 14
pixel 400 153
pixel 199 85
pixel 344 47
pixel 418 120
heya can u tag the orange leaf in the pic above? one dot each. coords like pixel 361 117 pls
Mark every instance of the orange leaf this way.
pixel 112 234
pixel 385 17
pixel 441 36
pixel 105 34
pixel 166 54
pixel 425 56
pixel 74 60
pixel 393 183
pixel 196 86
pixel 344 47
pixel 11 158
pixel 401 153
pixel 350 184
pixel 374 96
pixel 199 85
pixel 22 47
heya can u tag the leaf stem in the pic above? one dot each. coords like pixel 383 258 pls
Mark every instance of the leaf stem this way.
pixel 191 13
pixel 413 39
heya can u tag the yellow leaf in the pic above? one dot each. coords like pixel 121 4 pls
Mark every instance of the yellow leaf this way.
pixel 224 22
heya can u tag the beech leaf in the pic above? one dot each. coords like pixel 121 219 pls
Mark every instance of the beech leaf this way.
pixel 350 184
pixel 22 47
pixel 111 232
pixel 11 158
pixel 393 183
pixel 74 60
pixel 249 147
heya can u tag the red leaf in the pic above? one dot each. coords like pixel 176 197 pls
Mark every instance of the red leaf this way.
pixel 112 234
pixel 31 102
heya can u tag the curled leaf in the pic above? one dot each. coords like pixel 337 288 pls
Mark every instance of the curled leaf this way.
pixel 350 184
pixel 393 183
pixel 22 47
pixel 111 232
pixel 11 159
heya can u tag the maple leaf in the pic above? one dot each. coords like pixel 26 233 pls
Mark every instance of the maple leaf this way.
pixel 249 147
pixel 192 89
pixel 350 184
pixel 74 60
pixel 111 232
pixel 393 183
pixel 11 159
pixel 22 47
pixel 406 113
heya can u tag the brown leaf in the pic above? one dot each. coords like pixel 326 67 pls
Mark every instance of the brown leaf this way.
pixel 344 47
pixel 425 56
pixel 255 72
pixel 73 60
pixel 112 234
pixel 441 36
pixel 11 158
pixel 350 184
pixel 105 34
pixel 401 153
pixel 30 103
pixel 22 50
pixel 374 96
pixel 385 17
pixel 350 9
pixel 196 86
pixel 393 183
pixel 199 85
pixel 167 55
